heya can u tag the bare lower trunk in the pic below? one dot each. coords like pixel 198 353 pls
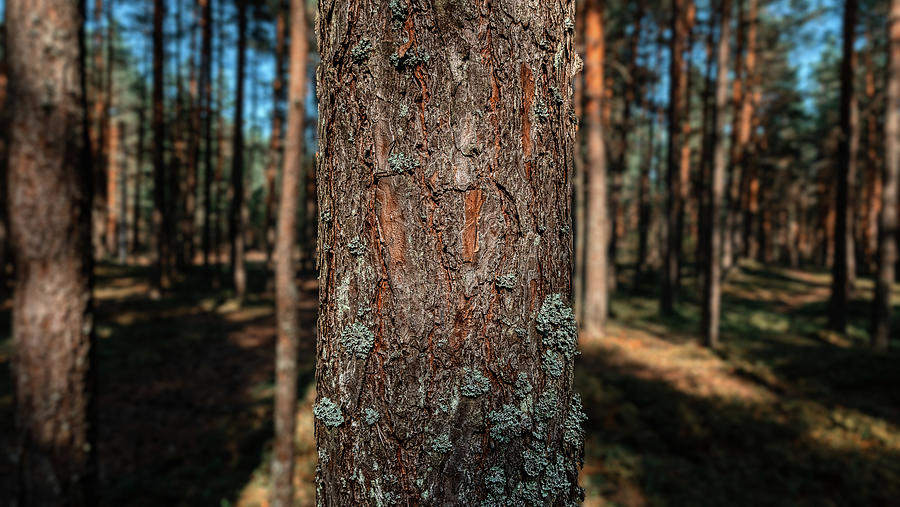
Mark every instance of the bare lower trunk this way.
pixel 50 201
pixel 444 362
pixel 887 241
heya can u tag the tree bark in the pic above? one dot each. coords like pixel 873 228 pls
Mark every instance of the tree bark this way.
pixel 99 133
pixel 675 203
pixel 887 241
pixel 275 136
pixel 701 185
pixel 137 213
pixel 50 201
pixel 712 280
pixel 286 299
pixel 122 225
pixel 870 204
pixel 446 154
pixel 596 279
pixel 840 288
pixel 206 100
pixel 112 188
pixel 160 272
pixel 236 215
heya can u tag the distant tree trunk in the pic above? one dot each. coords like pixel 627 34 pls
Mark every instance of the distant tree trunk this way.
pixel 286 299
pixel 160 273
pixel 445 254
pixel 4 158
pixel 871 201
pixel 99 134
pixel 618 204
pixel 578 190
pixel 840 288
pixel 674 203
pixel 704 175
pixel 50 202
pixel 748 168
pixel 122 227
pixel 275 136
pixel 137 214
pixel 188 221
pixel 684 161
pixel 645 204
pixel 112 188
pixel 887 241
pixel 236 215
pixel 712 279
pixel 596 302
pixel 206 101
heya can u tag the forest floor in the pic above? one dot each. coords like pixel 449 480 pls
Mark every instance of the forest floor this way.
pixel 782 414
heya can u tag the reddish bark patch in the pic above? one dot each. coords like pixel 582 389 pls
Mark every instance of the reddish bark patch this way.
pixel 390 221
pixel 527 100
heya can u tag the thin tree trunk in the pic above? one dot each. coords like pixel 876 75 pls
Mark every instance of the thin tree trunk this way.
pixel 99 131
pixel 122 227
pixel 712 286
pixel 445 255
pixel 275 136
pixel 286 299
pixel 840 288
pixel 137 214
pixel 684 163
pixel 236 215
pixel 596 279
pixel 160 274
pixel 871 202
pixel 645 203
pixel 206 101
pixel 674 203
pixel 50 218
pixel 193 166
pixel 578 190
pixel 887 242
pixel 704 176
pixel 112 188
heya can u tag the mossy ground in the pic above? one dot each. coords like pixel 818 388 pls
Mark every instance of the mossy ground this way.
pixel 783 414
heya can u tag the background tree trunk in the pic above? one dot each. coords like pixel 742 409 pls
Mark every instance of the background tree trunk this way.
pixel 596 279
pixel 840 288
pixel 887 241
pixel 275 136
pixel 445 248
pixel 236 214
pixel 160 274
pixel 206 100
pixel 712 280
pixel 50 206
pixel 286 299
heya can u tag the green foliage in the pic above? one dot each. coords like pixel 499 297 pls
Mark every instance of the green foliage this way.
pixel 328 412
pixel 358 340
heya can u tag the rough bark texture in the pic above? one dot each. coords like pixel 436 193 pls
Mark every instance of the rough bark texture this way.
pixel 887 243
pixel 286 299
pixel 50 203
pixel 712 280
pixel 236 215
pixel 159 276
pixel 840 287
pixel 596 279
pixel 446 340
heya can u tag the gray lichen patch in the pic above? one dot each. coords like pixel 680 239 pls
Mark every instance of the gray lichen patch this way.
pixel 507 281
pixel 400 163
pixel 523 386
pixel 495 482
pixel 442 444
pixel 535 459
pixel 410 59
pixel 474 383
pixel 371 416
pixel 358 339
pixel 360 52
pixel 506 423
pixel 552 363
pixel 547 406
pixel 328 412
pixel 573 433
pixel 398 10
pixel 556 322
pixel 357 247
pixel 541 111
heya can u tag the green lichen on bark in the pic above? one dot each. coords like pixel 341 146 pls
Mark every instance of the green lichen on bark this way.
pixel 507 423
pixel 547 406
pixel 556 322
pixel 371 416
pixel 441 444
pixel 360 52
pixel 358 340
pixel 475 384
pixel 552 363
pixel 573 432
pixel 357 247
pixel 328 412
pixel 523 386
pixel 400 163
pixel 507 281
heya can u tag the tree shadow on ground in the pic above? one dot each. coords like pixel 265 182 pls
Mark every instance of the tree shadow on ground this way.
pixel 650 443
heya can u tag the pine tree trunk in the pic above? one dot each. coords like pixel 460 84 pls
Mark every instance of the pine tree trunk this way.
pixel 206 101
pixel 840 288
pixel 286 299
pixel 674 202
pixel 137 214
pixel 871 202
pixel 702 183
pixel 887 240
pixel 112 188
pixel 50 207
pixel 122 225
pixel 446 340
pixel 159 278
pixel 236 212
pixel 275 136
pixel 99 126
pixel 188 221
pixel 712 286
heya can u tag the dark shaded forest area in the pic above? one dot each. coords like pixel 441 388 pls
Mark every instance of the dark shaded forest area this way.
pixel 505 252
